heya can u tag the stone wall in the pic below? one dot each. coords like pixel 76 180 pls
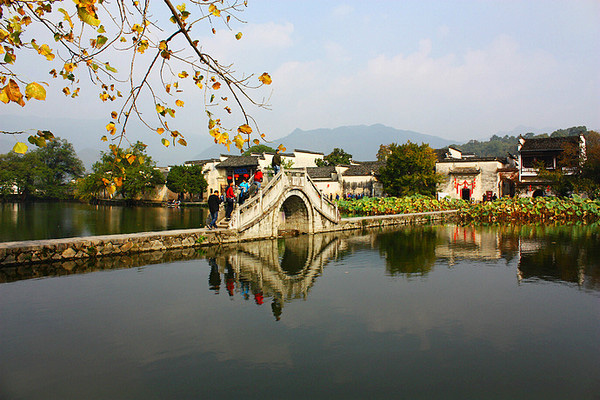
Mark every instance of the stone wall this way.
pixel 38 251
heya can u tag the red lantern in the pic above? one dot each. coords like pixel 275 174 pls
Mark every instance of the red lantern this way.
pixel 236 176
pixel 530 188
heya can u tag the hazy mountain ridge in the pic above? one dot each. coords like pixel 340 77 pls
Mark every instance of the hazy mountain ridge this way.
pixel 361 141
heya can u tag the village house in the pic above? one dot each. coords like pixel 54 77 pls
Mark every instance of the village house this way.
pixel 549 151
pixel 469 177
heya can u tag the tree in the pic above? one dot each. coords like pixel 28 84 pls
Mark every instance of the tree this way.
pixel 590 171
pixel 186 179
pixel 383 153
pixel 46 172
pixel 18 174
pixel 90 37
pixel 336 157
pixel 61 166
pixel 132 177
pixel 259 149
pixel 410 169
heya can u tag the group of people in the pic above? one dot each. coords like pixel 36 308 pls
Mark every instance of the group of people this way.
pixel 232 194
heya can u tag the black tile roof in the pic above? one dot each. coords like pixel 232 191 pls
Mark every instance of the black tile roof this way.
pixel 548 144
pixel 239 161
pixel 364 168
pixel 320 172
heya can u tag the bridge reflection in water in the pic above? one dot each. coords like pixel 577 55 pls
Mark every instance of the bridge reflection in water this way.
pixel 281 270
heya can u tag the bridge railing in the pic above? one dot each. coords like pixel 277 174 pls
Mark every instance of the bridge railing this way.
pixel 246 214
pixel 267 196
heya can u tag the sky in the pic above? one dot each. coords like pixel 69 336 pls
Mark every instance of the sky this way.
pixel 455 69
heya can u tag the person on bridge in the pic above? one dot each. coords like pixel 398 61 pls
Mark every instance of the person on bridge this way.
pixel 213 206
pixel 276 162
pixel 258 177
pixel 229 200
pixel 244 187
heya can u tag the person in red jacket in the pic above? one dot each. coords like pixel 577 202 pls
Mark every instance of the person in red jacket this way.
pixel 258 177
pixel 229 198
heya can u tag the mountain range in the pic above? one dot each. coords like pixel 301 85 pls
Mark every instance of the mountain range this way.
pixel 361 141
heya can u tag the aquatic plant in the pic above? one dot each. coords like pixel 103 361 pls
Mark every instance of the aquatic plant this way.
pixel 526 209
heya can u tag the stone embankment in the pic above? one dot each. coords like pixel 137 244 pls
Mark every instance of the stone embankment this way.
pixel 39 251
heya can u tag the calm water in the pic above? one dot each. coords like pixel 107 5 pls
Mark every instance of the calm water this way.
pixel 32 221
pixel 424 312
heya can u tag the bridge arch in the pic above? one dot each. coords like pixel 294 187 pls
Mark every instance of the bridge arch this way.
pixel 295 213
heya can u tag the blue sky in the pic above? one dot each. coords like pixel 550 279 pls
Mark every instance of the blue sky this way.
pixel 455 69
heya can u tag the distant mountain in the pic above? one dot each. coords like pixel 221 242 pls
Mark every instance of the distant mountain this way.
pixel 522 130
pixel 361 141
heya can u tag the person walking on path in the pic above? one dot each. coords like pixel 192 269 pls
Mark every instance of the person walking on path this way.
pixel 213 206
pixel 229 199
pixel 276 162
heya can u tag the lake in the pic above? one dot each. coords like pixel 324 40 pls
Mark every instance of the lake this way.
pixel 53 220
pixel 504 312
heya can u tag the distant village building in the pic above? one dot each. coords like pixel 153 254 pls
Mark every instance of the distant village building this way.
pixel 469 177
pixel 547 152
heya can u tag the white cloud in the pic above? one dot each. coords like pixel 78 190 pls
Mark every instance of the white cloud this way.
pixel 479 91
pixel 342 11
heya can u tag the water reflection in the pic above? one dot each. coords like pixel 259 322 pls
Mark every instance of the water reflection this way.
pixel 286 269
pixel 275 271
pixel 34 221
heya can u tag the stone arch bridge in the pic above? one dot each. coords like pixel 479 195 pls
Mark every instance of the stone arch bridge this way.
pixel 288 203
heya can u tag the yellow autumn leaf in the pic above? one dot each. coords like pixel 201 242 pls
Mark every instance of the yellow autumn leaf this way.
pixel 182 74
pixel 182 142
pixel 2 51
pixel 211 123
pixel 265 78
pixel 13 93
pixel 118 181
pixel 111 189
pixel 20 148
pixel 111 128
pixel 239 141
pixel 281 148
pixel 104 138
pixel 4 97
pixel 35 91
pixel 45 51
pixel 165 142
pixel 256 141
pixel 113 115
pixel 130 158
pixel 245 129
pixel 160 131
pixel 214 10
pixel 67 17
pixel 238 35
pixel 216 85
pixel 179 103
pixel 159 108
pixel 69 67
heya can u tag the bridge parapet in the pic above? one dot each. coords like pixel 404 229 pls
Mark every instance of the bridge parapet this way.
pixel 268 200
